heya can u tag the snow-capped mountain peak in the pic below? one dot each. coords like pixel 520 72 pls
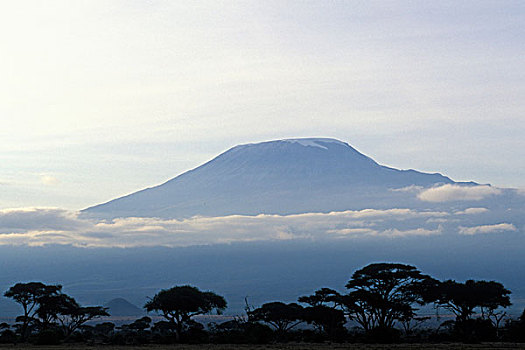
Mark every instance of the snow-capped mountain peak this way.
pixel 279 177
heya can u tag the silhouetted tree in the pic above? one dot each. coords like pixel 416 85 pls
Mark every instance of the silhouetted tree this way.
pixel 383 293
pixel 29 295
pixel 324 296
pixel 141 324
pixel 462 299
pixel 324 312
pixel 64 311
pixel 73 319
pixel 136 332
pixel 327 320
pixel 283 317
pixel 180 303
pixel 240 331
pixel 50 306
pixel 6 334
pixel 410 322
pixel 99 333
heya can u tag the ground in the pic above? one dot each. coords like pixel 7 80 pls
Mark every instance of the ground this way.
pixel 492 346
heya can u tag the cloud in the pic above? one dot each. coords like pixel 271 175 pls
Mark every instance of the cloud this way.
pixel 40 226
pixel 386 233
pixel 398 214
pixel 413 232
pixel 440 220
pixel 411 188
pixel 450 192
pixel 353 232
pixel 484 229
pixel 49 180
pixel 472 211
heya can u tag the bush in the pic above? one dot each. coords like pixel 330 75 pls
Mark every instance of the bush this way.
pixel 236 332
pixel 7 336
pixel 48 337
pixel 383 335
pixel 514 331
pixel 475 331
pixel 194 334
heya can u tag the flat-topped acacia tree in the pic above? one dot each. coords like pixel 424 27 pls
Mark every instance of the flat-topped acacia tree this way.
pixel 324 311
pixel 64 311
pixel 462 299
pixel 283 317
pixel 180 303
pixel 29 295
pixel 49 307
pixel 382 294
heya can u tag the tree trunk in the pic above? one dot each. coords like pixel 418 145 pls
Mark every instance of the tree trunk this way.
pixel 178 331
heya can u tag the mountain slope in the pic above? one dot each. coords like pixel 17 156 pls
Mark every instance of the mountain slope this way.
pixel 278 177
pixel 122 307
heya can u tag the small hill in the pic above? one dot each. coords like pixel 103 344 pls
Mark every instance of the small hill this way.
pixel 122 307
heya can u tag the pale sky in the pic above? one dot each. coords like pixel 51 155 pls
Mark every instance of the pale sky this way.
pixel 102 98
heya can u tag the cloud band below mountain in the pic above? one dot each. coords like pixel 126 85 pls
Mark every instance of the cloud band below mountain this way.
pixel 36 227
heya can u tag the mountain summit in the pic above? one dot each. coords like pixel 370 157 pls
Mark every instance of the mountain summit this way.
pixel 274 177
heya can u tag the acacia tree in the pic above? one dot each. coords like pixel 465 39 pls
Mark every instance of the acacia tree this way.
pixel 50 306
pixel 384 293
pixel 323 296
pixel 324 311
pixel 29 296
pixel 63 310
pixel 462 299
pixel 283 317
pixel 411 321
pixel 180 303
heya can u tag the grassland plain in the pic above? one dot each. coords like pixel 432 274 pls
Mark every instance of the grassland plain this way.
pixel 300 346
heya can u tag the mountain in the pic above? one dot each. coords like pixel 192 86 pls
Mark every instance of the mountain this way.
pixel 122 307
pixel 275 177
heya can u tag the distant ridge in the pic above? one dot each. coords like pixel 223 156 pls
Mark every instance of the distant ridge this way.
pixel 275 177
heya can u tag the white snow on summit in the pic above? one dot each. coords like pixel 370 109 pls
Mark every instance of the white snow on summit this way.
pixel 313 142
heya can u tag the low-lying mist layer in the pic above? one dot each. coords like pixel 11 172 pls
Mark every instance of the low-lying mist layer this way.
pixel 444 210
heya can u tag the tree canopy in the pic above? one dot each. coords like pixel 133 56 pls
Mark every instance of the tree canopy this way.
pixel 462 299
pixel 283 317
pixel 383 293
pixel 180 303
pixel 323 296
pixel 29 295
pixel 46 307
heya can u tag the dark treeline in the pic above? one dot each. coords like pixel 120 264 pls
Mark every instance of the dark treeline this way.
pixel 381 305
